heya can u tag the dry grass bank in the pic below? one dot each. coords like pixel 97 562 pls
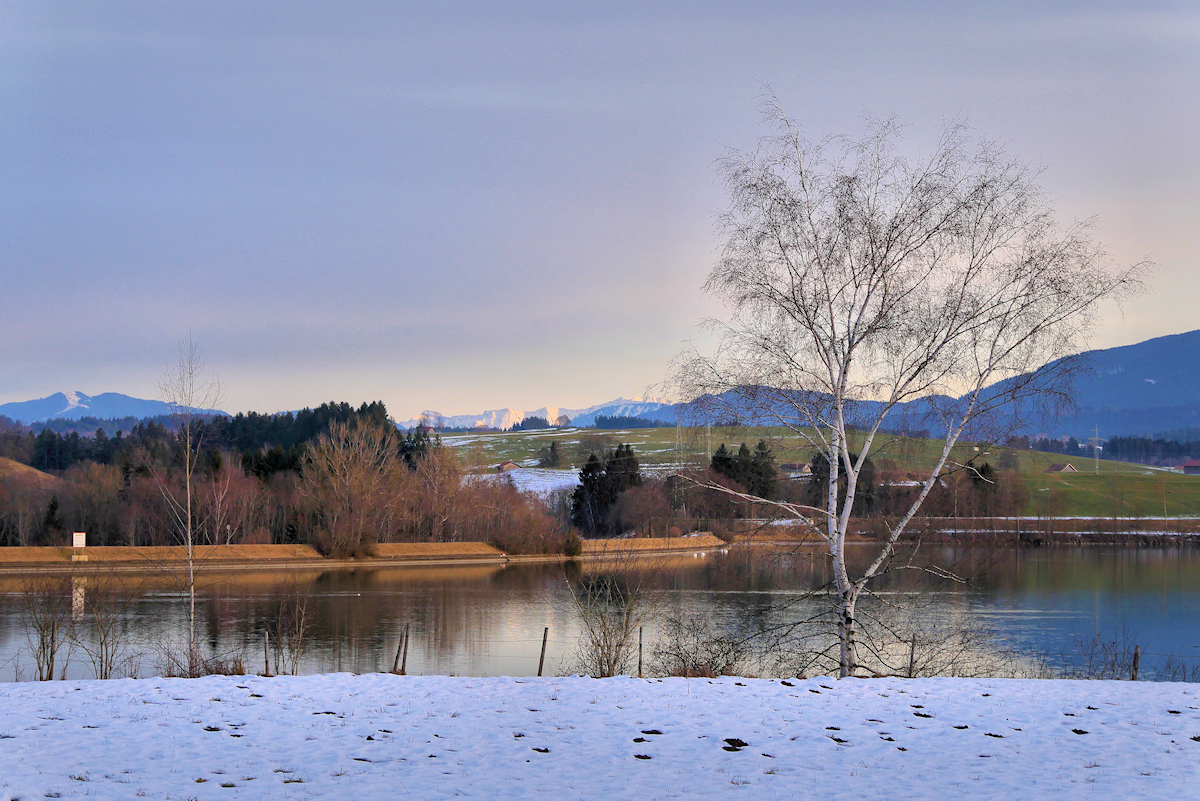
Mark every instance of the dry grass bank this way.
pixel 643 545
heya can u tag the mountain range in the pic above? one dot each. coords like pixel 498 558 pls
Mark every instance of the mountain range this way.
pixel 643 408
pixel 75 405
pixel 1144 389
pixel 1149 389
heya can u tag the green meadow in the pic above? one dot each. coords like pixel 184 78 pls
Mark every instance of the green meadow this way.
pixel 1109 489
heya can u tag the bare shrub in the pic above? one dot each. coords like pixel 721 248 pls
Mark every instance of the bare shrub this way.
pixel 45 614
pixel 693 646
pixel 175 660
pixel 1175 668
pixel 611 605
pixel 1106 654
pixel 107 640
pixel 290 629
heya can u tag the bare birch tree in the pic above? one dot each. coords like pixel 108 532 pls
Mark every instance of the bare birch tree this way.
pixel 863 283
pixel 191 397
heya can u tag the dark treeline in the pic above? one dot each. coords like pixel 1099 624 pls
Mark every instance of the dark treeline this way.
pixel 1150 451
pixel 1164 451
pixel 534 423
pixel 265 443
pixel 622 421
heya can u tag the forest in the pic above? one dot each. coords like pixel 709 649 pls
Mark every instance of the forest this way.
pixel 338 477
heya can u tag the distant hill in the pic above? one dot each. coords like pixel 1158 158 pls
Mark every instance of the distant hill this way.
pixel 1144 389
pixel 1135 390
pixel 77 405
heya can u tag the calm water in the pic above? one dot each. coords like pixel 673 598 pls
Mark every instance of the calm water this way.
pixel 489 620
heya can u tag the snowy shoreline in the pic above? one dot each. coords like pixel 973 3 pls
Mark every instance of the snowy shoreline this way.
pixel 383 736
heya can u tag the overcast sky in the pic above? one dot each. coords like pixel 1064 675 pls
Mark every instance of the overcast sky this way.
pixel 465 206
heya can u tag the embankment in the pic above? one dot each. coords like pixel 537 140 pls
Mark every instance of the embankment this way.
pixel 228 558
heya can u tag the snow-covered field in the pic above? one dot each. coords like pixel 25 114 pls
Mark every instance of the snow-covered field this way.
pixel 380 736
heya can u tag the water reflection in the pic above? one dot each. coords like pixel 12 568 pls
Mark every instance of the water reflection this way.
pixel 488 620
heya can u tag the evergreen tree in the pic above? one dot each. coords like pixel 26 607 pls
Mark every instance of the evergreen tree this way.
pixel 741 468
pixel 600 483
pixel 754 471
pixel 52 524
pixel 588 504
pixel 764 477
pixel 864 497
pixel 622 470
pixel 723 462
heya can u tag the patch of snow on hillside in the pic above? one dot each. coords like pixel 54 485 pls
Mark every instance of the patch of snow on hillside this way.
pixel 541 480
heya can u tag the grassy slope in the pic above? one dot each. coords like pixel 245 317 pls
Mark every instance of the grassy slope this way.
pixel 10 469
pixel 1119 489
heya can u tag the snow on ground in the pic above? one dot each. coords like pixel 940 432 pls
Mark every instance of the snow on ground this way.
pixel 380 736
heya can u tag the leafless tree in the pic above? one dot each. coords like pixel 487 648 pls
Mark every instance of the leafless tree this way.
pixel 349 477
pixel 861 280
pixel 191 396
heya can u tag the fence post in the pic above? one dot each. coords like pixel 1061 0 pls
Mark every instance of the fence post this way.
pixel 404 661
pixel 639 652
pixel 399 645
pixel 912 654
pixel 266 654
pixel 1137 658
pixel 542 658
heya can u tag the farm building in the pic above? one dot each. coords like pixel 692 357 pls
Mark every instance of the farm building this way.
pixel 1192 467
pixel 1061 468
pixel 507 466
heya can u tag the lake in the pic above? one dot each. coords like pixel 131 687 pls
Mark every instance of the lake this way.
pixel 489 620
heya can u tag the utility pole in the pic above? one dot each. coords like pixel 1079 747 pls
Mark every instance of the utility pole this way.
pixel 1095 440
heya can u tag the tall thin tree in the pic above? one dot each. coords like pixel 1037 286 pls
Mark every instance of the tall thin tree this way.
pixel 863 283
pixel 191 397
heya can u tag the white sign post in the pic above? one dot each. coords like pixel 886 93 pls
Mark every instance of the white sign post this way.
pixel 79 542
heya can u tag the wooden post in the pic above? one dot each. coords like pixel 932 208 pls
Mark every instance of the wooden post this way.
pixel 399 645
pixel 266 653
pixel 404 660
pixel 1137 658
pixel 542 658
pixel 912 654
pixel 639 652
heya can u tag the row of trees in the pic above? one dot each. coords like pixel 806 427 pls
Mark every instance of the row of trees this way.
pixel 357 482
pixel 754 472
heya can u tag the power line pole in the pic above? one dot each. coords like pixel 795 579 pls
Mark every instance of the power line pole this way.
pixel 1095 440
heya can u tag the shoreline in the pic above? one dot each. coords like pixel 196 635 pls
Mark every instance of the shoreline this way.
pixel 131 559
